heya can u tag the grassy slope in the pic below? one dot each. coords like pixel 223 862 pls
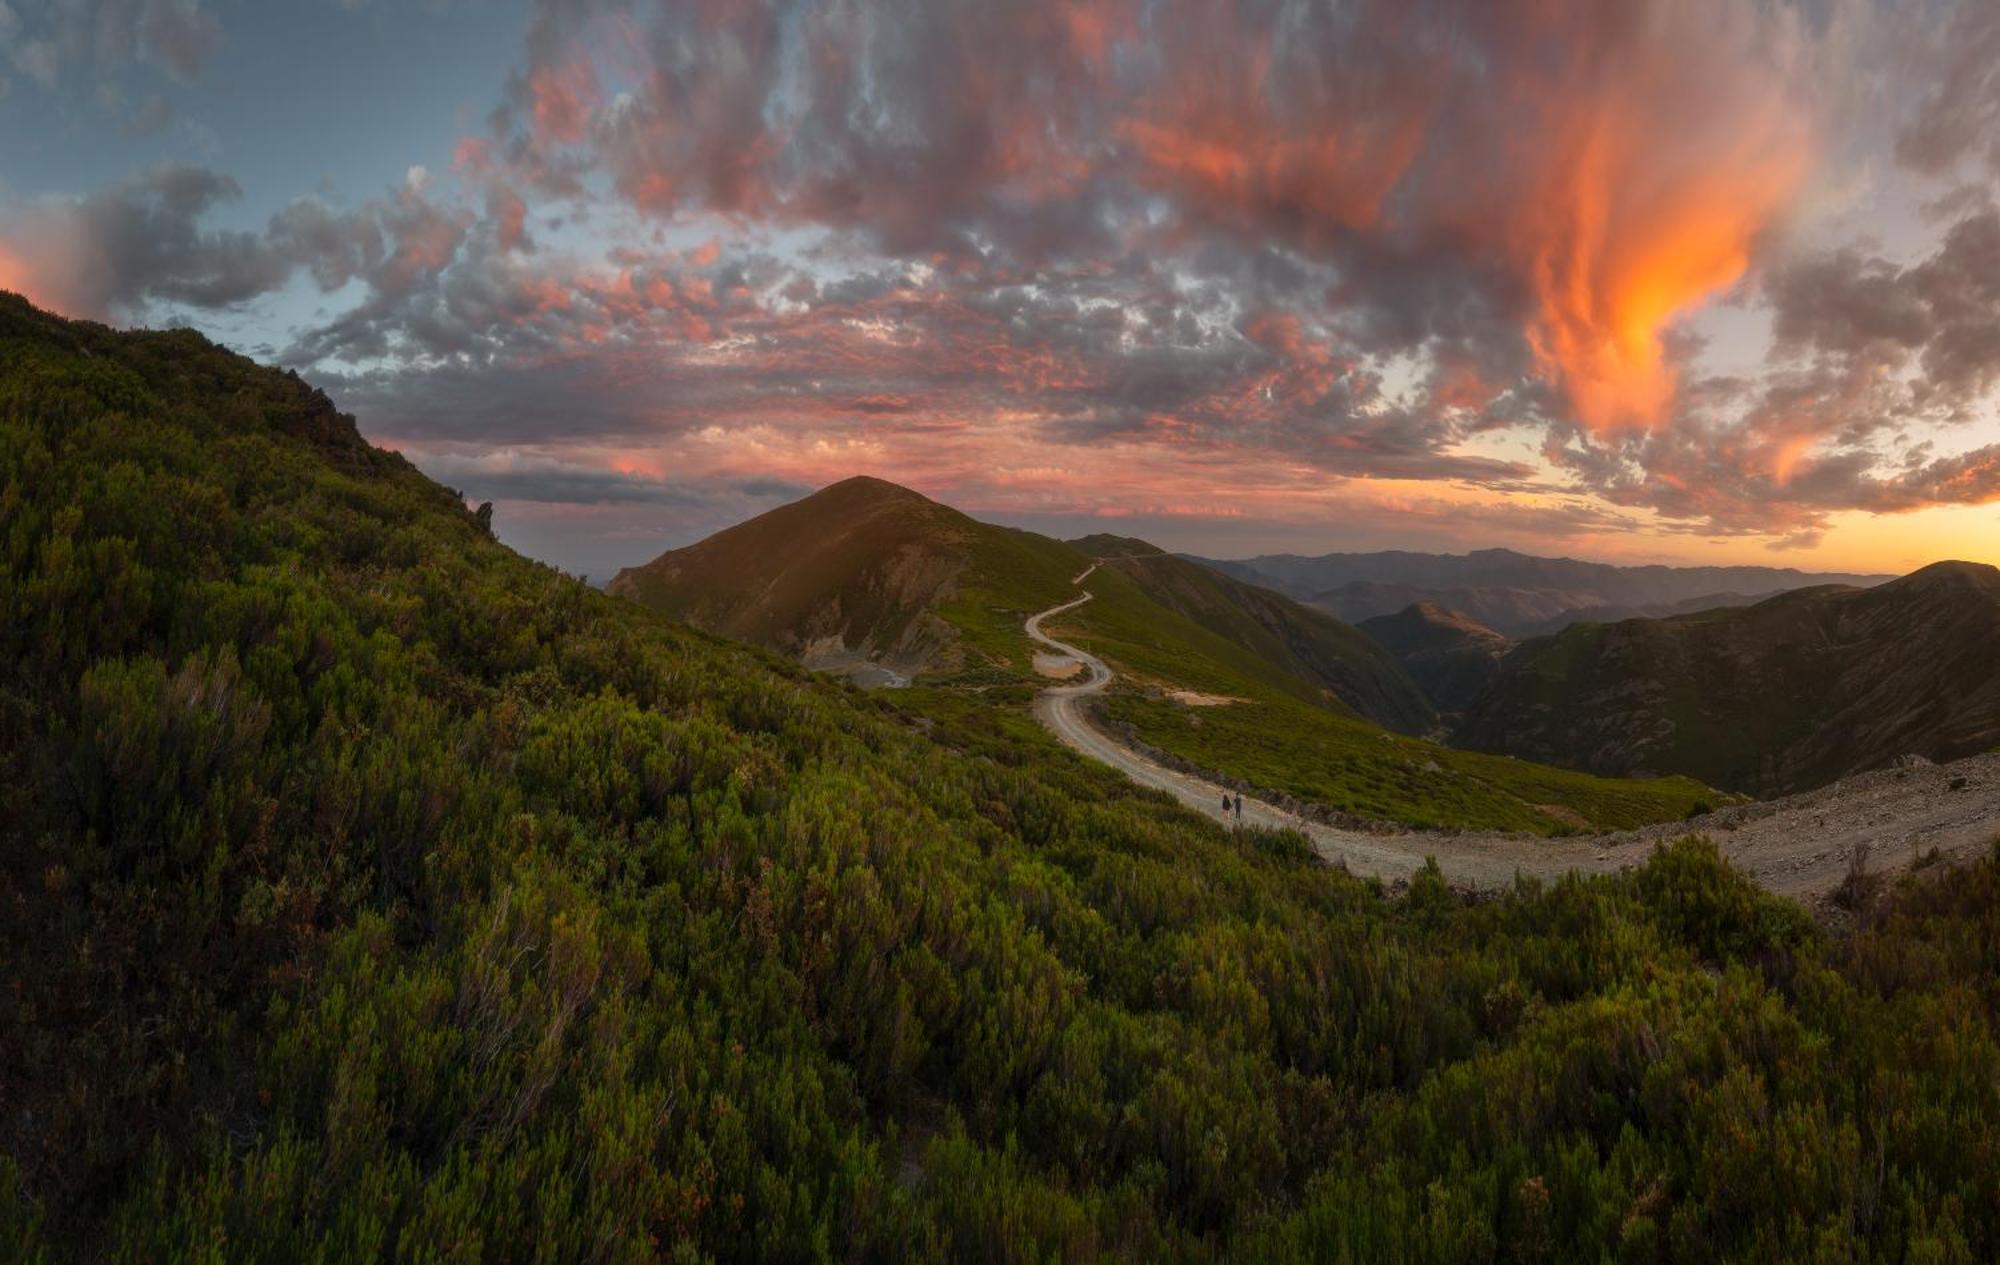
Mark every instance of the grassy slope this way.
pixel 367 891
pixel 1317 655
pixel 1276 740
pixel 1324 759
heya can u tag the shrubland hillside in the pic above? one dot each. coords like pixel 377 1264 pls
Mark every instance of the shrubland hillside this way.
pixel 370 892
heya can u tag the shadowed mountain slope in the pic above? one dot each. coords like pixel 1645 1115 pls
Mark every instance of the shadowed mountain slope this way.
pixel 1787 694
pixel 1453 659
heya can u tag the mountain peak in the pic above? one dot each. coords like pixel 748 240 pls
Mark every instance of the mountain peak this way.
pixel 866 487
pixel 1107 545
pixel 1428 625
pixel 1950 571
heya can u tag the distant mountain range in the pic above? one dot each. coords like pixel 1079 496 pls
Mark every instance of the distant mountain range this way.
pixel 1515 593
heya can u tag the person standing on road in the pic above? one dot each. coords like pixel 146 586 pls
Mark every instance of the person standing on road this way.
pixel 1225 805
pixel 1239 809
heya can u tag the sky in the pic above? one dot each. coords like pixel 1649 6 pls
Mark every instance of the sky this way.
pixel 1687 281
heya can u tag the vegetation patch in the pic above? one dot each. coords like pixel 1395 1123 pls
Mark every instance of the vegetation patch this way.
pixel 1344 764
pixel 369 892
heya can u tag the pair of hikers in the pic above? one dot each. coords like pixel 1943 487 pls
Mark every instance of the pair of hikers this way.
pixel 1235 806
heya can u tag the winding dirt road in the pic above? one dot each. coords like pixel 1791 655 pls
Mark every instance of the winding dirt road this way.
pixel 1800 846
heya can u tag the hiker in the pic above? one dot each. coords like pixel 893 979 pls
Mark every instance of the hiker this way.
pixel 1239 810
pixel 1225 805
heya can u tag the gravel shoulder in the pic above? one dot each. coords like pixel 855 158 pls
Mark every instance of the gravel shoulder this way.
pixel 1800 846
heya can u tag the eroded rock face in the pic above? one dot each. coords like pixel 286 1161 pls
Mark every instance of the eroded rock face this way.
pixel 1782 696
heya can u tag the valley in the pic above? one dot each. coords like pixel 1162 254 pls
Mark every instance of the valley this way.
pixel 1320 711
pixel 1423 720
pixel 1804 846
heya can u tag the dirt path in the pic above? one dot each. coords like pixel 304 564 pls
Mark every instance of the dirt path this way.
pixel 1799 846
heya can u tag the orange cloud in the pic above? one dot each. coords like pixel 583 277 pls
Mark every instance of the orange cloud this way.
pixel 564 97
pixel 1237 127
pixel 1642 191
pixel 1618 162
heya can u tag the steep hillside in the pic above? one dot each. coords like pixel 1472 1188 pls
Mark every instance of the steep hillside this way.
pixel 852 573
pixel 1784 695
pixel 1305 644
pixel 1513 593
pixel 1453 659
pixel 369 892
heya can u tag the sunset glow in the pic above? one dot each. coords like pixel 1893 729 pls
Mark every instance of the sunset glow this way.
pixel 1664 280
pixel 16 276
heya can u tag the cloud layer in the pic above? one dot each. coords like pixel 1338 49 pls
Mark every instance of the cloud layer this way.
pixel 1065 248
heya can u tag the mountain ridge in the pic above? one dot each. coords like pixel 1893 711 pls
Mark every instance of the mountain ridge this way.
pixel 1452 658
pixel 1514 593
pixel 1787 694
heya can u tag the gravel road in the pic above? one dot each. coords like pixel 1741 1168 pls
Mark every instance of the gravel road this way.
pixel 1799 846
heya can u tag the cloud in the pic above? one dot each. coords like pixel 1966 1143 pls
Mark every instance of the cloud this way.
pixel 178 35
pixel 143 242
pixel 1580 174
pixel 511 474
pixel 49 39
pixel 1959 119
pixel 1860 312
pixel 1866 356
pixel 1118 249
pixel 1351 239
pixel 138 241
